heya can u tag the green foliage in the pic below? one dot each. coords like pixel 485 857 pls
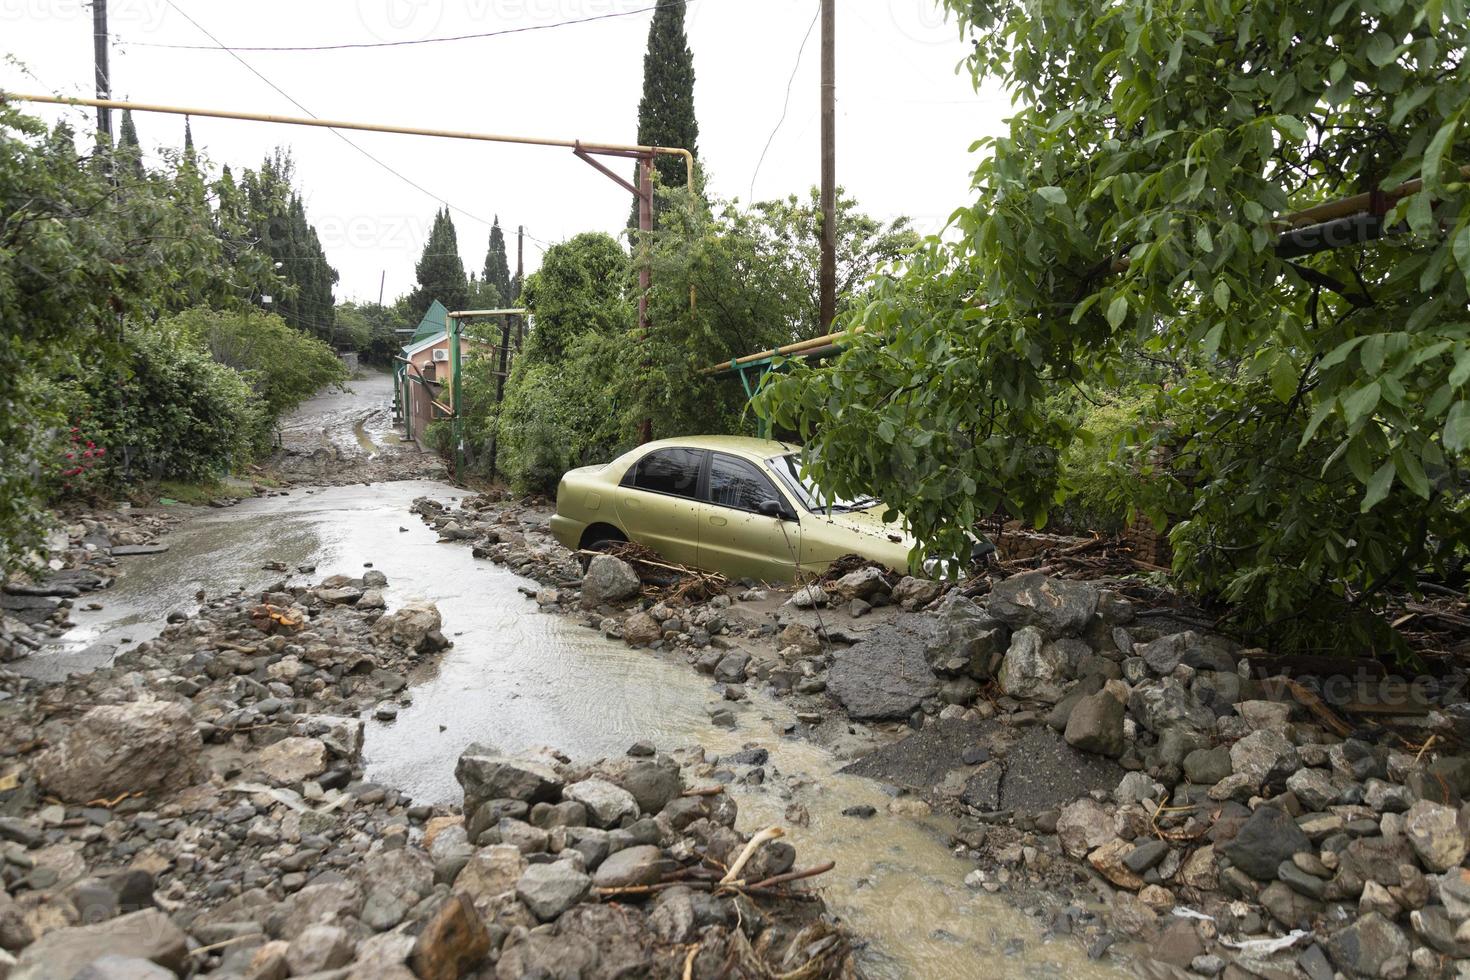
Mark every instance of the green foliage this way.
pixel 369 329
pixel 167 410
pixel 275 216
pixel 666 110
pixel 78 254
pixel 283 365
pixel 580 288
pixel 497 266
pixel 1323 431
pixel 1096 473
pixel 440 272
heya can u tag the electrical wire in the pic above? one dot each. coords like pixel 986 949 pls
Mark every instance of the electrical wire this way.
pixel 787 103
pixel 425 40
pixel 220 45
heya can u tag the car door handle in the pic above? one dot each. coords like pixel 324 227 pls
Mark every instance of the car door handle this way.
pixel 718 521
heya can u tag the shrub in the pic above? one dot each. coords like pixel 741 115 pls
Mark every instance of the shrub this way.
pixel 165 410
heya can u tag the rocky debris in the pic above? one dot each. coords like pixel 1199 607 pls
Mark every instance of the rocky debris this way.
pixel 123 748
pixel 414 626
pixel 885 675
pixel 1080 740
pixel 609 580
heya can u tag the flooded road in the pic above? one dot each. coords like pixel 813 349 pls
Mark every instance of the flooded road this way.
pixel 517 678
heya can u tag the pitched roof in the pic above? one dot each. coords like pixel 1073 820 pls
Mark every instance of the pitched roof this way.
pixel 435 321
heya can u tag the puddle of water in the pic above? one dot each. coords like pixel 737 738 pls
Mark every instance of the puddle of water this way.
pixel 517 678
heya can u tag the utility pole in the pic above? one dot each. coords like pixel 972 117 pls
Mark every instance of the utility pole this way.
pixel 99 55
pixel 381 280
pixel 827 281
pixel 520 281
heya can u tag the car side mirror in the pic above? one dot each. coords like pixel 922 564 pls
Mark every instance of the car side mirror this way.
pixel 771 508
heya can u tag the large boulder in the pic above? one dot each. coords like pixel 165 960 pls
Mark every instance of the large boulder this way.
pixel 486 775
pixel 1033 668
pixel 63 953
pixel 861 584
pixel 123 748
pixel 966 640
pixel 1057 607
pixel 609 579
pixel 411 625
pixel 884 675
pixel 1265 757
pixel 1436 834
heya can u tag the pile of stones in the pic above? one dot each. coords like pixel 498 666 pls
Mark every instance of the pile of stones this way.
pixel 201 807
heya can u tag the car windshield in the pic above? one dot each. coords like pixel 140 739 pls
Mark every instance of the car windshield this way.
pixel 788 470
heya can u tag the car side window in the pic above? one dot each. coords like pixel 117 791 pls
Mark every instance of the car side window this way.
pixel 735 483
pixel 671 471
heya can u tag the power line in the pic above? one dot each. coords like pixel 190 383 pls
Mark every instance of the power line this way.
pixel 786 104
pixel 220 45
pixel 407 43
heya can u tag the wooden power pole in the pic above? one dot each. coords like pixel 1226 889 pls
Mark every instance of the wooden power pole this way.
pixel 520 281
pixel 827 281
pixel 99 56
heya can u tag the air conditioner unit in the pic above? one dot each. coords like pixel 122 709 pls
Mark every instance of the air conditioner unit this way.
pixel 441 354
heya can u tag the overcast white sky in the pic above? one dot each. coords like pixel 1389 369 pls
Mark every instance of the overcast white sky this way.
pixel 905 118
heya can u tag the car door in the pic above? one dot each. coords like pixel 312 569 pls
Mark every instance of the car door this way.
pixel 658 502
pixel 734 537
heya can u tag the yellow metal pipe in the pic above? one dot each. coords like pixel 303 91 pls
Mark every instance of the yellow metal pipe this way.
pixel 363 127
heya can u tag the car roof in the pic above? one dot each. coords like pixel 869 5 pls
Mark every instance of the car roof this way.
pixel 737 445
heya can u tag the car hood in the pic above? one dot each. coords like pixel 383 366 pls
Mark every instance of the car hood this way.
pixel 869 523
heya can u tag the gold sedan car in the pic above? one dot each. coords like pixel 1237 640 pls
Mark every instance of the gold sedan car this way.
pixel 728 504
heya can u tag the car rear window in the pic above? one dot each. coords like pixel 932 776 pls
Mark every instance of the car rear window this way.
pixel 671 471
pixel 735 483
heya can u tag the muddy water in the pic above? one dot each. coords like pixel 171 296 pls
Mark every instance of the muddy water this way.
pixel 517 678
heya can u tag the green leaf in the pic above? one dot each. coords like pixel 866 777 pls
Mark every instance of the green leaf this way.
pixel 1054 195
pixel 885 431
pixel 1117 311
pixel 1377 487
pixel 1222 294
pixel 1358 404
pixel 1283 378
pixel 1411 471
pixel 1323 411
pixel 1211 343
pixel 1434 154
pixel 1457 427
pixel 1381 50
pixel 1203 239
pixel 1339 353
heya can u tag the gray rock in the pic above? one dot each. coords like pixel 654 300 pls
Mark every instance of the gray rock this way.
pixel 292 760
pixel 487 775
pixel 1265 757
pixel 608 580
pixel 966 640
pixel 607 804
pixel 914 593
pixel 1300 881
pixel 1096 725
pixel 982 790
pixel 884 675
pixel 550 889
pixel 1370 947
pixel 1083 826
pixel 1267 838
pixel 1202 651
pixel 640 865
pixel 653 783
pixel 1205 767
pixel 123 748
pixel 411 625
pixel 864 583
pixel 1033 669
pixel 731 668
pixel 62 953
pixel 1057 607
pixel 809 597
pixel 1435 833
pixel 1314 787
pixel 121 968
pixel 1164 704
pixel 318 948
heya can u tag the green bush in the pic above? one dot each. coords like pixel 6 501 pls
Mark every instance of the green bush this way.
pixel 165 410
pixel 1098 477
pixel 283 365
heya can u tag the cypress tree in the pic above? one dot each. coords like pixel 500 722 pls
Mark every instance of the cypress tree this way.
pixel 440 272
pixel 129 151
pixel 666 111
pixel 497 266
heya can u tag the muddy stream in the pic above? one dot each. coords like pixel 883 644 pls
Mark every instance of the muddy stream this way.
pixel 516 678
